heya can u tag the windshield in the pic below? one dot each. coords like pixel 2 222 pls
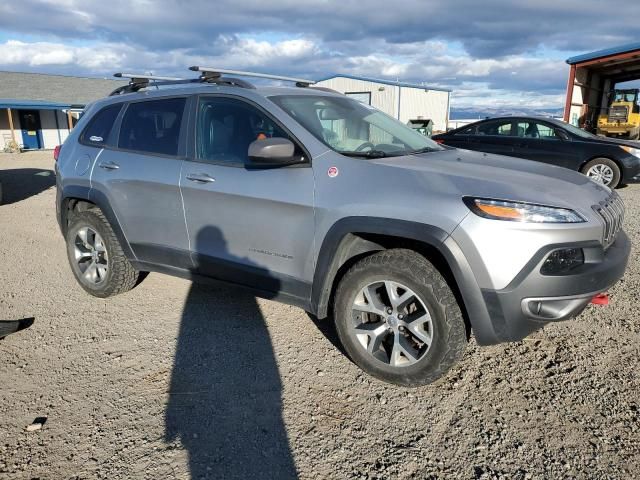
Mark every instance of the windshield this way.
pixel 577 131
pixel 353 128
pixel 625 97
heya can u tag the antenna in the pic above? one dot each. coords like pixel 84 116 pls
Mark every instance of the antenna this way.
pixel 210 72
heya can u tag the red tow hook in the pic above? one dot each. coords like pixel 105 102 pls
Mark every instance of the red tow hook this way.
pixel 601 299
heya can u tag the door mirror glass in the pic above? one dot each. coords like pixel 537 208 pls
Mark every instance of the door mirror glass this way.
pixel 271 152
pixel 562 135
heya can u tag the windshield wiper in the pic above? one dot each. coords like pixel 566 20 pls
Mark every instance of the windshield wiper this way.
pixel 367 154
pixel 421 150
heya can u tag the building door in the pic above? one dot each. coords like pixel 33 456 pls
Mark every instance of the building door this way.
pixel 31 130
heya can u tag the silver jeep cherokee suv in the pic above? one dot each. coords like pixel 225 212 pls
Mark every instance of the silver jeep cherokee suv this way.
pixel 314 199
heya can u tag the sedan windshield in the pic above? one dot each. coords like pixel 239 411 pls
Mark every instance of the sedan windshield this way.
pixel 353 128
pixel 577 131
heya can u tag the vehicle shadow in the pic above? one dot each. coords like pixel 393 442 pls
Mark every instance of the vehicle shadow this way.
pixel 225 397
pixel 21 183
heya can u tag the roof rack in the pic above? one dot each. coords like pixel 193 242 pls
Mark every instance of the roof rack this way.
pixel 207 75
pixel 213 73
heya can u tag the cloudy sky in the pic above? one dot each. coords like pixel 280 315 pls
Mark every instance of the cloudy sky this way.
pixel 491 53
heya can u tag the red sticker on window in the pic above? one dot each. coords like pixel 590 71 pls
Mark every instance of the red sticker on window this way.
pixel 332 172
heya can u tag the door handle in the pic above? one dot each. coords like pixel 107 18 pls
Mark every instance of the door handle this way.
pixel 109 165
pixel 200 178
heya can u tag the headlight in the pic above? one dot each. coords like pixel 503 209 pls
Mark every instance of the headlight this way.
pixel 633 151
pixel 521 212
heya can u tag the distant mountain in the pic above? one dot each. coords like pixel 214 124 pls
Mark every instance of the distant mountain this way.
pixel 472 113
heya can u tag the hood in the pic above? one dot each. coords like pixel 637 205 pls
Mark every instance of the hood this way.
pixel 466 172
pixel 614 141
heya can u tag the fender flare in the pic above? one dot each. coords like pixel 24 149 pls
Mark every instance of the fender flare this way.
pixel 101 201
pixel 339 246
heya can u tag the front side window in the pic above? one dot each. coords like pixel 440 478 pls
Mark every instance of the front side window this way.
pixel 500 128
pixel 152 126
pixel 536 130
pixel 226 127
pixel 99 128
pixel 352 128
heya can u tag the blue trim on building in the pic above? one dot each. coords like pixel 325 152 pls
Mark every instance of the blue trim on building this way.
pixel 385 82
pixel 33 104
pixel 603 53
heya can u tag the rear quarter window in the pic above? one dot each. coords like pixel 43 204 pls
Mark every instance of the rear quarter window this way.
pixel 100 126
pixel 152 126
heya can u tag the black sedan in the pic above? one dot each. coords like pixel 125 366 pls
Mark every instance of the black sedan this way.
pixel 606 160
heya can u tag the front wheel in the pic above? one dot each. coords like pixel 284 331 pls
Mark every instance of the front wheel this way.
pixel 96 257
pixel 604 171
pixel 398 319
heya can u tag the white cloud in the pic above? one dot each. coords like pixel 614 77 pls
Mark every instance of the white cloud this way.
pixel 476 82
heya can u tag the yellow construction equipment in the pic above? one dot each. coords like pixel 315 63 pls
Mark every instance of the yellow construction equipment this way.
pixel 623 116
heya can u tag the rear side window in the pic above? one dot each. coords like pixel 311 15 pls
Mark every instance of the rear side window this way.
pixel 152 126
pixel 467 131
pixel 99 128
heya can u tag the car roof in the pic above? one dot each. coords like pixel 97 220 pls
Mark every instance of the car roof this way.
pixel 538 118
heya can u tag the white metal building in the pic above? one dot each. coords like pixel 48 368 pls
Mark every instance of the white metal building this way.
pixel 404 101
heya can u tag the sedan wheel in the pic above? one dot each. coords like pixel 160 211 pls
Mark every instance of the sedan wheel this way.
pixel 604 171
pixel 601 174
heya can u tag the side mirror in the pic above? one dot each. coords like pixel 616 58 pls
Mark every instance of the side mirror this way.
pixel 562 134
pixel 271 152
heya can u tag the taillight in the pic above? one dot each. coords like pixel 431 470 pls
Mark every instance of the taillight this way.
pixel 438 140
pixel 56 152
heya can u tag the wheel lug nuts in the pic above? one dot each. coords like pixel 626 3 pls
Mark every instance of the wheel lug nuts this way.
pixel 389 311
pixel 400 316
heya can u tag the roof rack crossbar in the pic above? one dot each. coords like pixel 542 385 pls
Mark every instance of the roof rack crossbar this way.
pixel 218 72
pixel 135 76
pixel 140 81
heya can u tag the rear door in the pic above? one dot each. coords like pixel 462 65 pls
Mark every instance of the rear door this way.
pixel 137 175
pixel 539 141
pixel 252 227
pixel 493 137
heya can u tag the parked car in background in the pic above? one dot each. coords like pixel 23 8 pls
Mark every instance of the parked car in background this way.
pixel 606 160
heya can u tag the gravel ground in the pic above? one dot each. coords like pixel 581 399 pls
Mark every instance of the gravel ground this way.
pixel 184 381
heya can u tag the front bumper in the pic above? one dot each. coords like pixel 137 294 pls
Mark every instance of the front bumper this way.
pixel 532 300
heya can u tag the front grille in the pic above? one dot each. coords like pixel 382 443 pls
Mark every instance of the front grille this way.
pixel 611 212
pixel 618 114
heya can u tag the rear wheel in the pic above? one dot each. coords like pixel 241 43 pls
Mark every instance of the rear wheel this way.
pixel 398 319
pixel 603 170
pixel 96 257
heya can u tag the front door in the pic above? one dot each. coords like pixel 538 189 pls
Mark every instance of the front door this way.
pixel 251 227
pixel 540 142
pixel 30 125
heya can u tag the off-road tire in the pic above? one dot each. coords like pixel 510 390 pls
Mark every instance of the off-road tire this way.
pixel 121 276
pixel 615 181
pixel 417 273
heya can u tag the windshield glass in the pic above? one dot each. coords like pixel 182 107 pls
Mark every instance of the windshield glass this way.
pixel 625 97
pixel 353 128
pixel 577 131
